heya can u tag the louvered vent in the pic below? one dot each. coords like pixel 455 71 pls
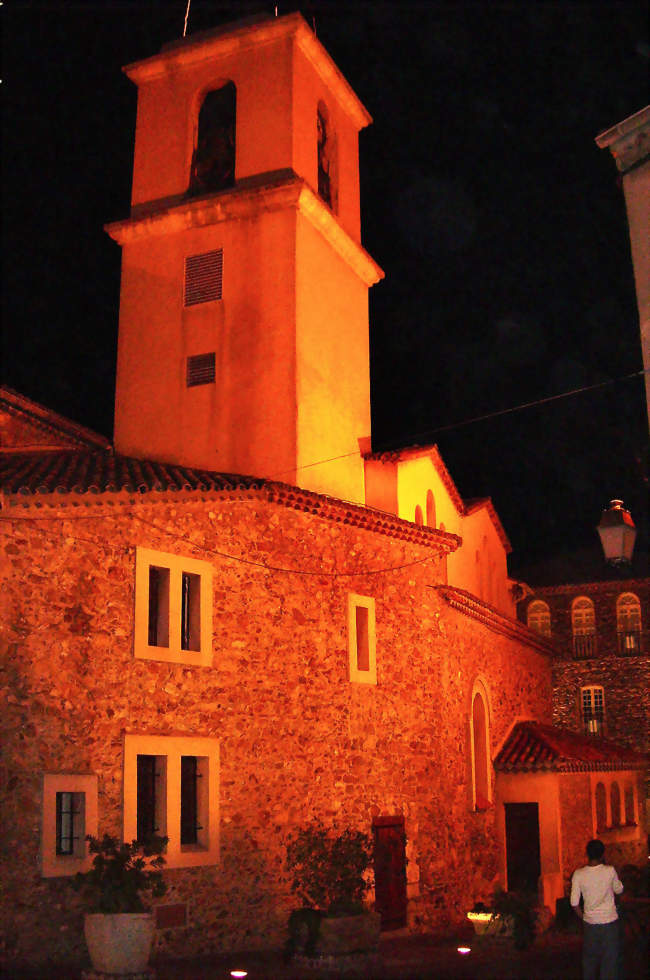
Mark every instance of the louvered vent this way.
pixel 203 277
pixel 200 370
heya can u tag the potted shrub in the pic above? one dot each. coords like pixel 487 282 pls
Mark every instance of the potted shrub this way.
pixel 329 874
pixel 118 928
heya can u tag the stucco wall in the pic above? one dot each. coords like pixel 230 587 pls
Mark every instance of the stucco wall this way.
pixel 297 740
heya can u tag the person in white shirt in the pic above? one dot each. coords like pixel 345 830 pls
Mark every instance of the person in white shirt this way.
pixel 596 884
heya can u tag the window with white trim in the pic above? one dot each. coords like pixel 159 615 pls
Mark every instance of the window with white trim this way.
pixel 362 639
pixel 628 624
pixel 539 617
pixel 171 788
pixel 173 608
pixel 69 814
pixel 583 625
pixel 592 700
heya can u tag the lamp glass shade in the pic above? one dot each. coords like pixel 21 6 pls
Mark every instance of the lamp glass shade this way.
pixel 617 533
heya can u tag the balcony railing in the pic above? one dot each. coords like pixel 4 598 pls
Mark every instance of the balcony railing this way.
pixel 629 643
pixel 593 724
pixel 585 645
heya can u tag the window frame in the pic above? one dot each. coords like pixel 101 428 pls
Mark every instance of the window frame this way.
pixel 479 690
pixel 176 566
pixel 358 675
pixel 593 689
pixel 172 749
pixel 83 786
pixel 542 613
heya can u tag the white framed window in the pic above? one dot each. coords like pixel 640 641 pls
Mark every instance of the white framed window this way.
pixel 171 788
pixel 362 639
pixel 173 608
pixel 539 617
pixel 592 701
pixel 583 625
pixel 69 814
pixel 628 624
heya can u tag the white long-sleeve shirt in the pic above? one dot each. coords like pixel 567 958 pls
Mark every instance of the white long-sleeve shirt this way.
pixel 597 883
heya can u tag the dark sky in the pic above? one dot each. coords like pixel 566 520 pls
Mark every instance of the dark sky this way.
pixel 500 225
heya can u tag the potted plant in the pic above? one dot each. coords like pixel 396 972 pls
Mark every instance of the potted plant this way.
pixel 329 873
pixel 118 928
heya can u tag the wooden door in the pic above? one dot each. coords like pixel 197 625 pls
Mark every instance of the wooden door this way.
pixel 522 846
pixel 390 871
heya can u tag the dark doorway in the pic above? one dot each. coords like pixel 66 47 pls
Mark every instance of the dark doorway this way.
pixel 522 846
pixel 390 871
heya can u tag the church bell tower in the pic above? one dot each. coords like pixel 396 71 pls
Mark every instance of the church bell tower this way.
pixel 243 333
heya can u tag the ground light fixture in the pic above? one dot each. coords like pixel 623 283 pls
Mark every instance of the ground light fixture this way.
pixel 238 973
pixel 464 950
pixel 617 533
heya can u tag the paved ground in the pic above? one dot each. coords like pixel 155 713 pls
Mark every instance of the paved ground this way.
pixel 555 956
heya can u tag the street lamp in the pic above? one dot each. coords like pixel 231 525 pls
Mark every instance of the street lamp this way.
pixel 617 533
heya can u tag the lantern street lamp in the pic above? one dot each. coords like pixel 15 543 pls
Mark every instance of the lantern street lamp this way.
pixel 617 533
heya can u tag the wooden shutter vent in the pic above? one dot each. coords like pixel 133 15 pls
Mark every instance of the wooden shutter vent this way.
pixel 200 370
pixel 203 277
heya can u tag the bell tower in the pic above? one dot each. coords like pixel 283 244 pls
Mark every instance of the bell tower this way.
pixel 243 333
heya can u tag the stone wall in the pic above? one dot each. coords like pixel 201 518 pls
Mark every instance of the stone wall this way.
pixel 297 740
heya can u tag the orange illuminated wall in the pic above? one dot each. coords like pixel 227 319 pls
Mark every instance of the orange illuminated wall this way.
pixel 289 384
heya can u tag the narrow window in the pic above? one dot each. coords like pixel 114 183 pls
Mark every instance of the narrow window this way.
pixel 69 822
pixel 628 624
pixel 363 648
pixel 431 509
pixel 601 807
pixel 615 797
pixel 583 623
pixel 327 163
pixel 419 519
pixel 203 277
pixel 158 606
pixel 593 710
pixel 150 793
pixel 539 617
pixel 213 161
pixel 200 370
pixel 189 800
pixel 480 753
pixel 630 816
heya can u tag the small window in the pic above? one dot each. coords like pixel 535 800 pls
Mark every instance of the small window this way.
pixel 628 624
pixel 69 814
pixel 200 370
pixel 601 807
pixel 173 608
pixel 480 748
pixel 431 509
pixel 615 799
pixel 361 639
pixel 419 519
pixel 593 710
pixel 172 789
pixel 539 617
pixel 203 277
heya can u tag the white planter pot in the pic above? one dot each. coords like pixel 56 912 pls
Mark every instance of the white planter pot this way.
pixel 119 943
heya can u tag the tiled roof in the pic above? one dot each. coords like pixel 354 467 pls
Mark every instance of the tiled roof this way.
pixel 475 608
pixel 58 428
pixel 532 746
pixel 103 472
pixel 50 477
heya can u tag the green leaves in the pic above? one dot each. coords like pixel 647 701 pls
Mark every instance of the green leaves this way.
pixel 120 872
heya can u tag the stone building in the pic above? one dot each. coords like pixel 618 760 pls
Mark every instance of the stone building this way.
pixel 225 658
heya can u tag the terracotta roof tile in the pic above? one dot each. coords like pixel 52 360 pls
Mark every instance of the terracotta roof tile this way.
pixel 534 746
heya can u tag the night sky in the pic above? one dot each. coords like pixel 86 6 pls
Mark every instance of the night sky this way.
pixel 499 223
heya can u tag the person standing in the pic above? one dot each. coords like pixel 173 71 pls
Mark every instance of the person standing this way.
pixel 597 883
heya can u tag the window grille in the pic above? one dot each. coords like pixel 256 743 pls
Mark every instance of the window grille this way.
pixel 147 794
pixel 593 710
pixel 67 811
pixel 190 800
pixel 203 277
pixel 200 370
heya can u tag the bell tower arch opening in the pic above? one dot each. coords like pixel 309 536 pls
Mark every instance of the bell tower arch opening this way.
pixel 213 160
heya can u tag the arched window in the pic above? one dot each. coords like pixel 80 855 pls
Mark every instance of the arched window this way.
pixel 630 815
pixel 601 807
pixel 431 509
pixel 213 161
pixel 583 624
pixel 327 164
pixel 628 624
pixel 615 799
pixel 593 710
pixel 480 734
pixel 539 617
pixel 419 519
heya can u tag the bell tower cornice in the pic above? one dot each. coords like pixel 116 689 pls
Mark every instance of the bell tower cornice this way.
pixel 242 203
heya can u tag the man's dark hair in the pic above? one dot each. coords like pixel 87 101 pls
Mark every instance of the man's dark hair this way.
pixel 595 850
